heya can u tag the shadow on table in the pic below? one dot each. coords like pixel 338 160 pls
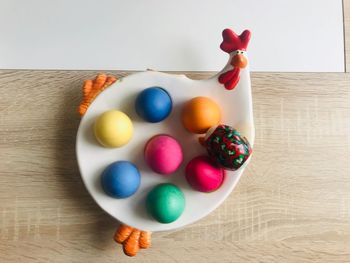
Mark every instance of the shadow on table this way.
pixel 100 227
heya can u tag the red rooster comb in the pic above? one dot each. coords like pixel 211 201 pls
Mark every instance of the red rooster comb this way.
pixel 232 41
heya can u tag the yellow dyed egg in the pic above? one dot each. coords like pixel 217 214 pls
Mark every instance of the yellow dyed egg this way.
pixel 113 129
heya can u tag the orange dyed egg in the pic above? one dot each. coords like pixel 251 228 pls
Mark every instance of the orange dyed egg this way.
pixel 199 114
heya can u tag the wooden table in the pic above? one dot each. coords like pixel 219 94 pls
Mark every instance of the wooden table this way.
pixel 292 204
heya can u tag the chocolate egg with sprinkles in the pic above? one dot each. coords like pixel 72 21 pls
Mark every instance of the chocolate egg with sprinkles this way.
pixel 226 147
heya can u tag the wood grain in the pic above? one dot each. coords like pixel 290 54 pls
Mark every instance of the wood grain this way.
pixel 292 204
pixel 346 12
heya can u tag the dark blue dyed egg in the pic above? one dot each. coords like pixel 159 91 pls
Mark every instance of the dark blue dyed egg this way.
pixel 120 179
pixel 153 104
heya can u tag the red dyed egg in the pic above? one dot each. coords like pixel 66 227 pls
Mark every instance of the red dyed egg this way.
pixel 203 175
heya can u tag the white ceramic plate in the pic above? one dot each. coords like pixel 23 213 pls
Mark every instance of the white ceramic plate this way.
pixel 92 158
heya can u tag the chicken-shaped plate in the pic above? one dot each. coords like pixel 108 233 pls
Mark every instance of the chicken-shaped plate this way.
pixel 151 134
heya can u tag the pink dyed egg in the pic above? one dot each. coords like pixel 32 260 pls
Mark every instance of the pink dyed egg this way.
pixel 163 154
pixel 202 175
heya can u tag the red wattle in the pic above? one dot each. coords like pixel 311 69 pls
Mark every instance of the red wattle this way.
pixel 231 84
pixel 230 78
pixel 223 78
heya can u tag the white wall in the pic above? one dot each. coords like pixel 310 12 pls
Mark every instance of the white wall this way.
pixel 298 35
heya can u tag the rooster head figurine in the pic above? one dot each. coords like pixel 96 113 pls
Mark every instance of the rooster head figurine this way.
pixel 236 46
